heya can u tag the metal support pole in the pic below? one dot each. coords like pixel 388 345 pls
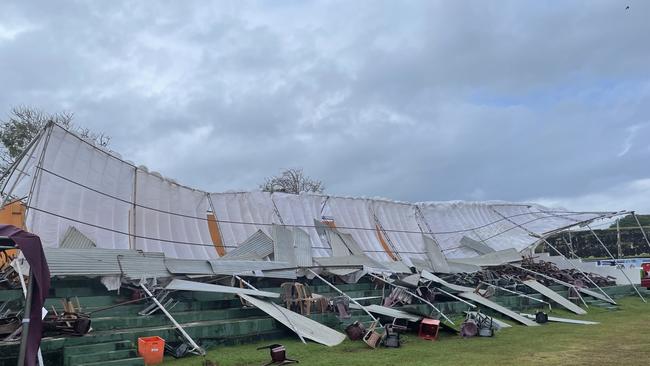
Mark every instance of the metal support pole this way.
pixel 26 315
pixel 414 295
pixel 169 316
pixel 293 327
pixel 617 266
pixel 558 252
pixel 455 297
pixel 519 294
pixel 344 294
pixel 559 282
pixel 641 227
pixel 22 284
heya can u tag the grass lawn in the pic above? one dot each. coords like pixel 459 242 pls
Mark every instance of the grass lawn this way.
pixel 622 337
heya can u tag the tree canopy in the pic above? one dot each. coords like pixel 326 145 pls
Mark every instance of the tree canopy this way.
pixel 24 123
pixel 292 180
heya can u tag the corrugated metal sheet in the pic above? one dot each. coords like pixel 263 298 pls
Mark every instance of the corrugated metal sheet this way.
pixel 87 262
pixel 497 258
pixel 435 255
pixel 95 262
pixel 207 287
pixel 302 248
pixel 283 250
pixel 475 245
pixel 74 239
pixel 390 312
pixel 257 246
pixel 396 267
pixel 494 306
pixel 554 296
pixel 147 265
pixel 304 326
pixel 188 266
pixel 349 241
pixel 431 277
pixel 233 267
pixel 349 260
pixel 562 320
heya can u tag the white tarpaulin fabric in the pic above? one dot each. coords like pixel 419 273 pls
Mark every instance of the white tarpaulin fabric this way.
pixel 183 233
pixel 246 209
pixel 58 203
pixel 485 222
pixel 102 196
pixel 301 210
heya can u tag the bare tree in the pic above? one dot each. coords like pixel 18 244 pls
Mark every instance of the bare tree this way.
pixel 292 180
pixel 24 123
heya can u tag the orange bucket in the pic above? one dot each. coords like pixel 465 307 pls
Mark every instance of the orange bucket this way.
pixel 151 349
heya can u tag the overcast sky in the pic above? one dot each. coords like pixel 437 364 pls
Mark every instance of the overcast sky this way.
pixel 539 100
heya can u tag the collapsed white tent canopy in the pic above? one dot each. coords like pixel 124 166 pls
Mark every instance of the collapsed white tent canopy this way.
pixel 66 181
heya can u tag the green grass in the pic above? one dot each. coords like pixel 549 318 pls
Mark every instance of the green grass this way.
pixel 621 338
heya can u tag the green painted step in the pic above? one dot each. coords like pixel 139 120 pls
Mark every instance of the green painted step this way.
pixel 103 356
pixel 96 348
pixel 135 361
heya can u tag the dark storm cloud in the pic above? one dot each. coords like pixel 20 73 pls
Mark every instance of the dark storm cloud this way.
pixel 412 101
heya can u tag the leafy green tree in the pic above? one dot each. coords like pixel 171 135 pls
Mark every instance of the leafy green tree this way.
pixel 24 123
pixel 629 221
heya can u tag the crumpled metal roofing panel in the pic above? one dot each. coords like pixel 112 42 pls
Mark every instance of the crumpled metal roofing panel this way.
pixel 475 245
pixel 188 266
pixel 145 265
pixel 304 326
pixel 283 244
pixel 75 239
pixel 257 246
pixel 86 262
pixel 184 285
pixel 302 248
pixel 233 267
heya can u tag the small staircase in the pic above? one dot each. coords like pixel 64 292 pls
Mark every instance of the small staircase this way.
pixel 119 353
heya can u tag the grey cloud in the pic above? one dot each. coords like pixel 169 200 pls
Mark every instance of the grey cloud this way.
pixel 413 101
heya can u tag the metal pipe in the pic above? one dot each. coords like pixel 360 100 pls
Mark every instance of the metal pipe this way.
pixel 641 227
pixel 416 296
pixel 171 318
pixel 519 294
pixel 455 297
pixel 344 294
pixel 554 248
pixel 617 266
pixel 26 317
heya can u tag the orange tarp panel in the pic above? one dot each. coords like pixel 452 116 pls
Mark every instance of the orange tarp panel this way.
pixel 384 244
pixel 215 234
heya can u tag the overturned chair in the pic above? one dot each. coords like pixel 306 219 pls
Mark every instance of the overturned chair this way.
pixel 278 355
